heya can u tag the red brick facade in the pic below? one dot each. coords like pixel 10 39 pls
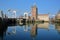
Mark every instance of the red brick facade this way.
pixel 34 12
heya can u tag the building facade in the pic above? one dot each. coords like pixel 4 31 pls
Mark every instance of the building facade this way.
pixel 43 17
pixel 34 12
pixel 26 15
pixel 57 17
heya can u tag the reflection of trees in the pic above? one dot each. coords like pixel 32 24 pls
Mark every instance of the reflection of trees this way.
pixel 34 31
pixel 3 29
pixel 57 27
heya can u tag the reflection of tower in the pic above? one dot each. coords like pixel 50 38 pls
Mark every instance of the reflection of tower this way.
pixel 34 12
pixel 34 31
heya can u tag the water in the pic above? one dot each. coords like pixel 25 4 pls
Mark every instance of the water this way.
pixel 41 31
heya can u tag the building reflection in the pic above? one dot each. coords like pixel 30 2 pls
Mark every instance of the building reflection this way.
pixel 3 29
pixel 13 30
pixel 34 28
pixel 57 27
pixel 25 28
pixel 33 31
pixel 43 25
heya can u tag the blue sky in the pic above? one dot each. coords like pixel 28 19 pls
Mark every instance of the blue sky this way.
pixel 44 6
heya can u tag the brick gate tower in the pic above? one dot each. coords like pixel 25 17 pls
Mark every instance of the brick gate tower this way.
pixel 34 12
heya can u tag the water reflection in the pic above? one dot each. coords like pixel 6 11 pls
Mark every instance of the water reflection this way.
pixel 57 27
pixel 25 28
pixel 33 31
pixel 3 29
pixel 43 25
pixel 36 31
pixel 11 30
pixel 34 28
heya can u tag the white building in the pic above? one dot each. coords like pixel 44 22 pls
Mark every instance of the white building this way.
pixel 26 15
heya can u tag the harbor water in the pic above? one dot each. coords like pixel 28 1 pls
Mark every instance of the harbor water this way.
pixel 37 31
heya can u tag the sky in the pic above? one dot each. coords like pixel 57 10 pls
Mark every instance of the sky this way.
pixel 21 6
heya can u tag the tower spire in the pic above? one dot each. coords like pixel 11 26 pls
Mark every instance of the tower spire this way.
pixel 34 5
